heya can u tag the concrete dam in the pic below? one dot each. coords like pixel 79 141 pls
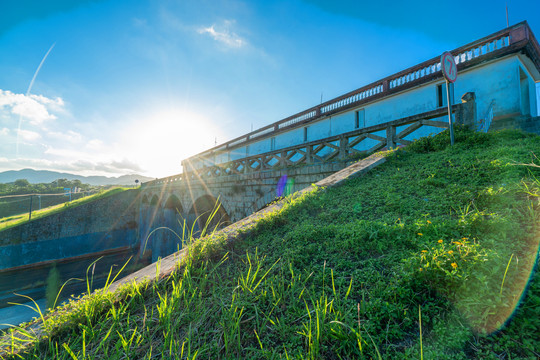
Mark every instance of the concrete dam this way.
pixel 495 89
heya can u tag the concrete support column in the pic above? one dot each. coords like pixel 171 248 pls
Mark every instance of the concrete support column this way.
pixel 282 158
pixel 247 168
pixel 343 142
pixel 466 113
pixel 309 157
pixel 390 137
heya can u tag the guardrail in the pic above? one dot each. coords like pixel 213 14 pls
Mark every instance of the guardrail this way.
pixel 498 44
pixel 484 123
pixel 338 148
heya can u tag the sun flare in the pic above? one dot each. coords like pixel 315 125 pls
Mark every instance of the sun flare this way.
pixel 162 139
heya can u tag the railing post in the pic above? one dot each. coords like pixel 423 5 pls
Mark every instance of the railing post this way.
pixel 390 137
pixel 466 111
pixel 518 34
pixel 309 158
pixel 343 142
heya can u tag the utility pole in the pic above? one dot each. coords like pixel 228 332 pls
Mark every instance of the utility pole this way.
pixel 507 25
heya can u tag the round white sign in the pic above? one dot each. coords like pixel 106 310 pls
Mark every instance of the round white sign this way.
pixel 449 67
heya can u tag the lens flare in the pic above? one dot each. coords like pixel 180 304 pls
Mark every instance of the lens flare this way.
pixel 494 312
pixel 285 186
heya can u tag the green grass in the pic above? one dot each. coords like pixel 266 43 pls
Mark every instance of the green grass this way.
pixel 424 257
pixel 17 220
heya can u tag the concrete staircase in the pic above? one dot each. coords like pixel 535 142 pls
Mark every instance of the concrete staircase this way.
pixel 523 122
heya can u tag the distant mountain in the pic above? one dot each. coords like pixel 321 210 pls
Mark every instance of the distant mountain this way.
pixel 46 176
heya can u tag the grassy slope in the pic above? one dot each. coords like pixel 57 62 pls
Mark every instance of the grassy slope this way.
pixel 345 272
pixel 17 220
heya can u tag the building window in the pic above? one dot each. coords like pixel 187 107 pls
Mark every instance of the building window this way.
pixel 359 119
pixel 305 134
pixel 272 143
pixel 441 95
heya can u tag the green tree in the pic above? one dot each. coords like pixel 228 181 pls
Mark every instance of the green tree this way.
pixel 22 183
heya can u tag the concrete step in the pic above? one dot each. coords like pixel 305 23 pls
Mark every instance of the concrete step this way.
pixel 524 122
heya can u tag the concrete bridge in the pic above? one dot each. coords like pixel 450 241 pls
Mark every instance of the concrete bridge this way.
pixel 243 186
pixel 496 84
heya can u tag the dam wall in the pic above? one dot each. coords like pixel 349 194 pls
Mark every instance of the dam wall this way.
pixel 106 223
pixel 67 243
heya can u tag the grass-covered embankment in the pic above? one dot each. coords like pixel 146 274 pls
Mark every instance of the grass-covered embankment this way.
pixel 17 220
pixel 421 258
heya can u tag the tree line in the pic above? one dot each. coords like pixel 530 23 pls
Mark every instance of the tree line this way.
pixel 23 186
pixel 19 196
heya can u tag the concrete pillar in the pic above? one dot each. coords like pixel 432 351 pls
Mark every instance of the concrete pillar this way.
pixel 466 113
pixel 282 161
pixel 343 142
pixel 390 137
pixel 309 157
pixel 247 168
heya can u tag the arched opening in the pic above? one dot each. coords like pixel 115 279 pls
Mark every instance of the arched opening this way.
pixel 173 203
pixel 148 220
pixel 170 239
pixel 207 213
pixel 173 214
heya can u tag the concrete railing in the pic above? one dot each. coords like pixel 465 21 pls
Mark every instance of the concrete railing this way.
pixel 340 147
pixel 506 41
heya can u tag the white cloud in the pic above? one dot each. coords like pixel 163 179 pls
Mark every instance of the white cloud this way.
pixel 83 167
pixel 29 135
pixel 34 108
pixel 4 131
pixel 65 153
pixel 121 166
pixel 70 135
pixel 223 34
pixel 94 144
pixel 115 167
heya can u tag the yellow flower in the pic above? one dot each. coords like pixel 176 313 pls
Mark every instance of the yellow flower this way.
pixel 421 269
pixel 429 222
pixel 454 265
pixel 450 252
pixel 457 243
pixel 424 251
pixel 420 234
pixel 464 238
pixel 440 241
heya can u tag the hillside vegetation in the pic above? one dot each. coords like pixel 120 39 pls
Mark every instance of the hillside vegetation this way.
pixel 15 197
pixel 425 257
pixel 15 220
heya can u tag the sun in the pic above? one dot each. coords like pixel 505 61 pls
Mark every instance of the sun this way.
pixel 162 139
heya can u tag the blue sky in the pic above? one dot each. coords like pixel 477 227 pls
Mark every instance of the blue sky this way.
pixel 135 86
